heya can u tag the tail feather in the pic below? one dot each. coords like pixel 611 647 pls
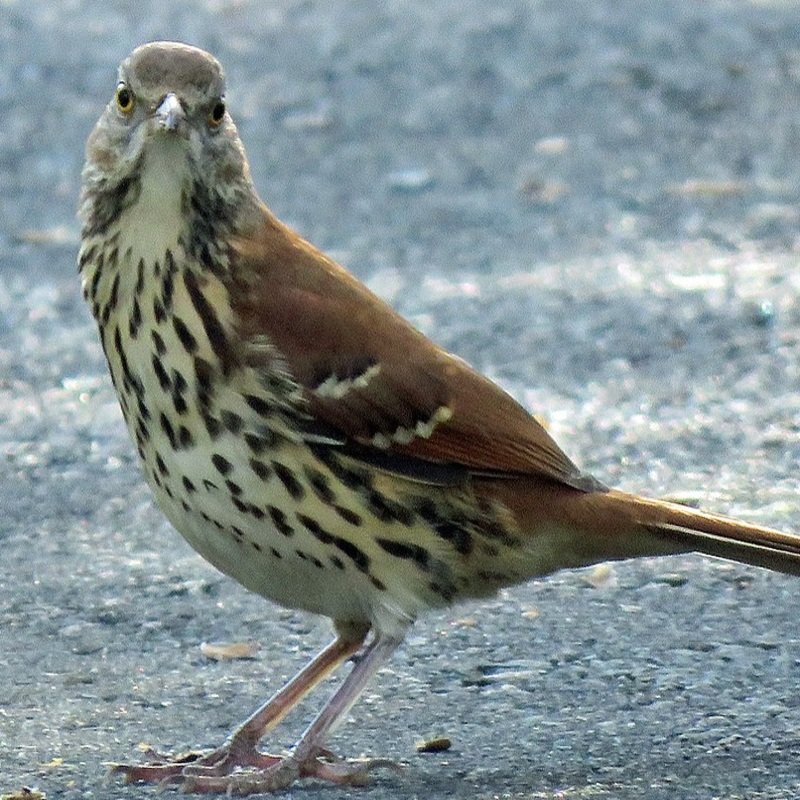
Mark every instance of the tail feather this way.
pixel 720 536
pixel 778 557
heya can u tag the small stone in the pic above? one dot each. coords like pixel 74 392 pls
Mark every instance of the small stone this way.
pixel 672 579
pixel 552 145
pixel 410 180
pixel 601 575
pixel 436 745
pixel 228 651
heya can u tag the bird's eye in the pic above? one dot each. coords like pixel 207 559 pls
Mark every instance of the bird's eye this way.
pixel 217 114
pixel 125 99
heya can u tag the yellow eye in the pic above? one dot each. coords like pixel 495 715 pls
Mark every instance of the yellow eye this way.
pixel 217 114
pixel 125 99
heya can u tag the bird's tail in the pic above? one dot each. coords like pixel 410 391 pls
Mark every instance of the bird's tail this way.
pixel 569 528
pixel 684 528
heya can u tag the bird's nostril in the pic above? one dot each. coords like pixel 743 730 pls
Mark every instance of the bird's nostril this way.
pixel 169 112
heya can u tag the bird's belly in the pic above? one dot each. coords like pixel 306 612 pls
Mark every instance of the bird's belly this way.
pixel 262 523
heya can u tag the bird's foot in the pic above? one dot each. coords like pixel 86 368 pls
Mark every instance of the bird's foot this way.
pixel 165 769
pixel 237 770
pixel 282 774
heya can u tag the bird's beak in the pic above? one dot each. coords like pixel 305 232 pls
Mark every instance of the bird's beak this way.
pixel 169 115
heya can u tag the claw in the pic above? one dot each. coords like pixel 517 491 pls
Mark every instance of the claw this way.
pixel 236 771
pixel 351 773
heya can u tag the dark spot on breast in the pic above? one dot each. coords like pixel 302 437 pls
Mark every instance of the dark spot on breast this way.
pixel 142 431
pixel 289 481
pixel 135 321
pixel 457 535
pixel 179 382
pixel 162 467
pixel 184 335
pixel 387 510
pixel 348 516
pixel 319 484
pixel 204 377
pixel 351 478
pixel 215 333
pixel 144 411
pixel 405 550
pixel 188 485
pixel 179 403
pixel 243 507
pixel 112 300
pixel 403 514
pixel 185 438
pixel 259 405
pixel 213 426
pixel 168 283
pixel 280 522
pixel 275 552
pixel 260 469
pixel 221 464
pixel 378 584
pixel 158 311
pixel 234 488
pixel 169 431
pixel 315 529
pixel 355 554
pixel 158 343
pixel 130 381
pixel 426 508
pixel 139 277
pixel 163 379
pixel 232 421
pixel 260 442
pixel 337 562
pixel 179 388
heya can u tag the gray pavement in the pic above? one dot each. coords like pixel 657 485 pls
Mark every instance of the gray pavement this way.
pixel 596 203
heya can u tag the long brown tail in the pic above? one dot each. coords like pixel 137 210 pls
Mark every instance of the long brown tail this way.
pixel 714 535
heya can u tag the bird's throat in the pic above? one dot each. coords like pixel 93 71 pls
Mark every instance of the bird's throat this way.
pixel 155 221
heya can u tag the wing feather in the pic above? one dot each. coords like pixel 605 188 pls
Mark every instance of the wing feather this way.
pixel 371 376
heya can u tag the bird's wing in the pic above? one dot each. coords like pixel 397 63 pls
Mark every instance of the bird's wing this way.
pixel 373 379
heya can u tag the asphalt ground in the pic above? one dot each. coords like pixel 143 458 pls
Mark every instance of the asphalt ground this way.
pixel 595 203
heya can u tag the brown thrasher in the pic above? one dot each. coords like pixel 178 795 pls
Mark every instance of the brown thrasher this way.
pixel 301 435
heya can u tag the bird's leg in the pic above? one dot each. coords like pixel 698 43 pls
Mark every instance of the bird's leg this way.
pixel 239 750
pixel 308 758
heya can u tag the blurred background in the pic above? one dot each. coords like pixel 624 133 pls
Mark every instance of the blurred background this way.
pixel 595 203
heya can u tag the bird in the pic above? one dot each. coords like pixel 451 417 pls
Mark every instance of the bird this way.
pixel 303 437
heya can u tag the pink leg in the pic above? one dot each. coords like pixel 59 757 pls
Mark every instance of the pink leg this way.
pixel 308 758
pixel 239 750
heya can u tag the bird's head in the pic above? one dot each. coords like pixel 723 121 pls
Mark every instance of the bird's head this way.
pixel 166 123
